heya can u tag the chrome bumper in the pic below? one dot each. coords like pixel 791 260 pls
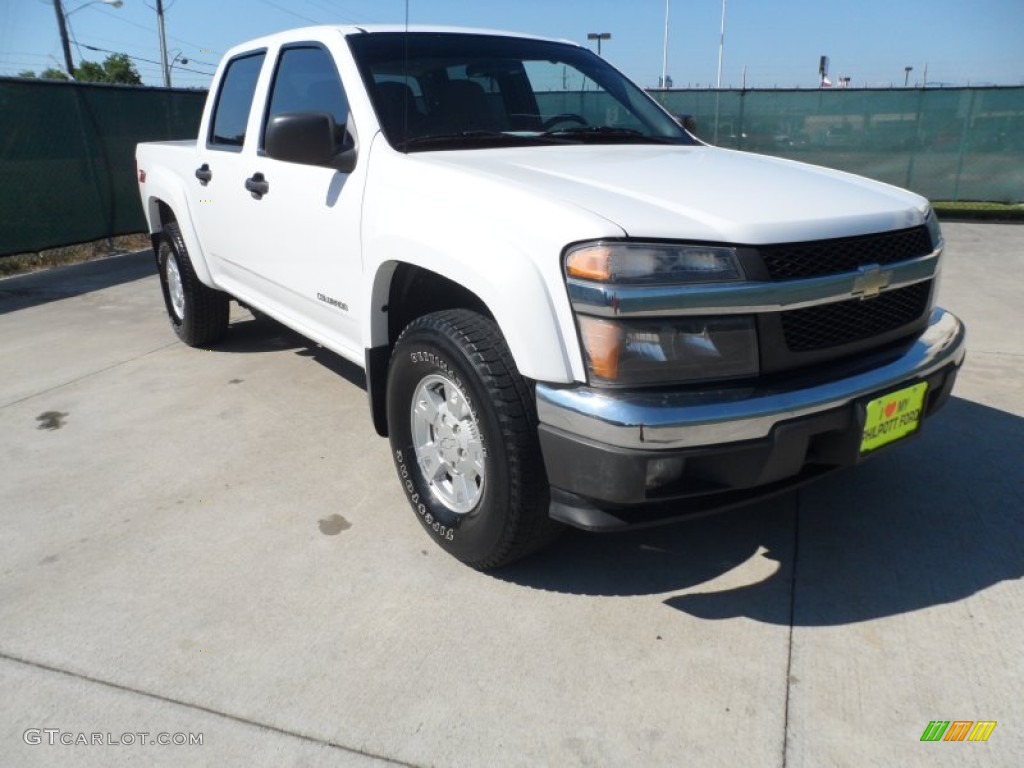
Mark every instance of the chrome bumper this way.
pixel 659 420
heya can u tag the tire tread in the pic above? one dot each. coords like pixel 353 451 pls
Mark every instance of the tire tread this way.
pixel 206 309
pixel 531 528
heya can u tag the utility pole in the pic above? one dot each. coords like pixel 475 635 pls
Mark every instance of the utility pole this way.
pixel 163 42
pixel 62 25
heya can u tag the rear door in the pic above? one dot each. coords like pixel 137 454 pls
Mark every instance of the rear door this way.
pixel 225 152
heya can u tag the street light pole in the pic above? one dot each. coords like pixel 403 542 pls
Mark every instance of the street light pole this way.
pixel 179 57
pixel 599 36
pixel 163 43
pixel 906 75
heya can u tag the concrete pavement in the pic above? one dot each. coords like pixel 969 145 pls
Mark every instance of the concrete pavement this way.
pixel 213 542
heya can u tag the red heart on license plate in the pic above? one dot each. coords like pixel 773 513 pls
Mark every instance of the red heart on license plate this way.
pixel 890 409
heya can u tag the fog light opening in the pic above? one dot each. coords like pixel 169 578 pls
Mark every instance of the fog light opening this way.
pixel 661 472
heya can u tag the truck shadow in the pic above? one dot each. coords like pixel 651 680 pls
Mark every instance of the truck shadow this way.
pixel 264 334
pixel 929 523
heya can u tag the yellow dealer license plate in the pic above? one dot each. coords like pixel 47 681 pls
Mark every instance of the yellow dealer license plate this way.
pixel 893 416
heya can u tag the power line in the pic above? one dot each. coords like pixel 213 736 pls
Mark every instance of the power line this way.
pixel 148 61
pixel 321 6
pixel 291 12
pixel 114 17
pixel 344 14
pixel 131 47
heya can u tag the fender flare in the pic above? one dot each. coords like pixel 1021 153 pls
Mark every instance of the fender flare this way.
pixel 536 339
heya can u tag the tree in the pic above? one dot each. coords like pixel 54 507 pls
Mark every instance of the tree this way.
pixel 52 74
pixel 90 72
pixel 26 73
pixel 120 69
pixel 116 68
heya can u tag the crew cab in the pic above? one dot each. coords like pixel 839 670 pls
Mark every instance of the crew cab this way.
pixel 569 309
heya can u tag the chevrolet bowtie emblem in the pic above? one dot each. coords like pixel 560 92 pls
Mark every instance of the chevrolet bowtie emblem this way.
pixel 871 281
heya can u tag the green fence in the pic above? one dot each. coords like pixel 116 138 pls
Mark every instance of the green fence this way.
pixel 944 143
pixel 67 157
pixel 67 150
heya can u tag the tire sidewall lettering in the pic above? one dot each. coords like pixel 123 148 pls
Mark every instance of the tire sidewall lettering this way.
pixel 454 344
pixel 442 530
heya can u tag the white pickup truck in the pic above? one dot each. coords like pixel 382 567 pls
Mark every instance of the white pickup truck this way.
pixel 569 310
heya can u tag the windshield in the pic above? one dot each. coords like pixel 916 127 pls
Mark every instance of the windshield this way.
pixel 457 91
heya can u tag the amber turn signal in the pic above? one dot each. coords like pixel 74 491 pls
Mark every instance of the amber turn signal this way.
pixel 594 263
pixel 602 340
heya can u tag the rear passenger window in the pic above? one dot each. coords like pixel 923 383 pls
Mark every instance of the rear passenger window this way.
pixel 307 81
pixel 231 114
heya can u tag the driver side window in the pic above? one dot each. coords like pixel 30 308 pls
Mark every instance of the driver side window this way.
pixel 306 80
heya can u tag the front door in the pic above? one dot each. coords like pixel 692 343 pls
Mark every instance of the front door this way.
pixel 292 243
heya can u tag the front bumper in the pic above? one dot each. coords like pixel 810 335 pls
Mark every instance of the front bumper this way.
pixel 612 456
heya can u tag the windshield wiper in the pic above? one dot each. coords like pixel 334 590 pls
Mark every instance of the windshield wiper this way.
pixel 606 132
pixel 472 139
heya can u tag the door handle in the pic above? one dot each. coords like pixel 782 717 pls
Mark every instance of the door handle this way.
pixel 204 174
pixel 258 185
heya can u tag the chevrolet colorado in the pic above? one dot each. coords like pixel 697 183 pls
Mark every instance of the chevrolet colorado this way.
pixel 569 310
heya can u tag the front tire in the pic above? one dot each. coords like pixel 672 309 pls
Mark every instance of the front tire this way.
pixel 198 314
pixel 463 432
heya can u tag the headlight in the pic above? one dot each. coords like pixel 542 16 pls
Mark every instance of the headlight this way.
pixel 652 262
pixel 934 231
pixel 670 350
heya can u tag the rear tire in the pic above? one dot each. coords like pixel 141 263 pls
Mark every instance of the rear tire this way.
pixel 198 314
pixel 463 431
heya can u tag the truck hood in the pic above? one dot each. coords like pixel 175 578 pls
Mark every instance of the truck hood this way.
pixel 700 193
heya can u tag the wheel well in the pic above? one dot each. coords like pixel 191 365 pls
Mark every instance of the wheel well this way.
pixel 416 292
pixel 164 215
pixel 413 292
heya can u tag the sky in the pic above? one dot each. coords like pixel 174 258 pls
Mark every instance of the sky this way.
pixel 777 43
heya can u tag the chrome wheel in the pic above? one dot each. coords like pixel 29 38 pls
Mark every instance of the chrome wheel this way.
pixel 448 445
pixel 175 287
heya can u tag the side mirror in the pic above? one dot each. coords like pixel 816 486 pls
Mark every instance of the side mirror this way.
pixel 308 138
